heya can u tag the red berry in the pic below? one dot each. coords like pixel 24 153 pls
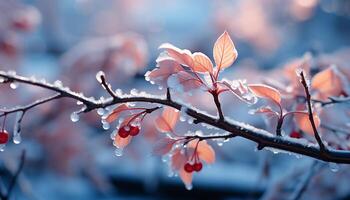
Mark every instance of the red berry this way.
pixel 134 130
pixel 4 137
pixel 197 167
pixel 188 168
pixel 123 133
pixel 295 134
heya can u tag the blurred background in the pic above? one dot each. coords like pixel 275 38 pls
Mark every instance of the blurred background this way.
pixel 71 40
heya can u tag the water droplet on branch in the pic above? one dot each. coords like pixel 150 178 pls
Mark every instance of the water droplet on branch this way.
pixel 334 167
pixel 118 152
pixel 74 117
pixel 13 85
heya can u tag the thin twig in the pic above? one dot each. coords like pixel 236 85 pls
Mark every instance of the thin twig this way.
pixel 168 95
pixel 29 106
pixel 261 137
pixel 311 117
pixel 302 186
pixel 107 86
pixel 15 177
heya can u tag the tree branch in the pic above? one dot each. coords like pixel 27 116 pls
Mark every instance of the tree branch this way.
pixel 218 106
pixel 311 117
pixel 261 137
pixel 29 106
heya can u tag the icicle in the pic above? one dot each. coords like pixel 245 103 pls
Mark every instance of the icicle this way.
pixel 17 128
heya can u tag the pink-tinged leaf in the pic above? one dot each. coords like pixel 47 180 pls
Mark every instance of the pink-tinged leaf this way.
pixel 121 142
pixel 224 51
pixel 178 160
pixel 239 89
pixel 116 112
pixel 163 146
pixel 202 63
pixel 303 122
pixel 165 68
pixel 186 177
pixel 184 57
pixel 204 150
pixel 184 82
pixel 167 121
pixel 328 82
pixel 267 92
pixel 264 110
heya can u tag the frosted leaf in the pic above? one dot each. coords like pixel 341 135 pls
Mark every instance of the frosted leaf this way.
pixel 2 79
pixel 334 167
pixel 99 75
pixel 118 152
pixel 79 103
pixel 13 85
pixel 74 117
pixel 100 111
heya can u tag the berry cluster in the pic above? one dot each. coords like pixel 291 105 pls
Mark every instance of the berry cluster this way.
pixel 4 137
pixel 197 166
pixel 127 130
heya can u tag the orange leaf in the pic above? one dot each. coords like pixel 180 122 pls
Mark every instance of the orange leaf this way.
pixel 202 63
pixel 121 142
pixel 165 68
pixel 267 92
pixel 178 160
pixel 186 177
pixel 303 122
pixel 328 82
pixel 224 51
pixel 116 112
pixel 184 57
pixel 167 121
pixel 163 146
pixel 204 150
pixel 184 82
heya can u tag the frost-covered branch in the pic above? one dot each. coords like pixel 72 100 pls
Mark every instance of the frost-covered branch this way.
pixel 311 115
pixel 261 137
